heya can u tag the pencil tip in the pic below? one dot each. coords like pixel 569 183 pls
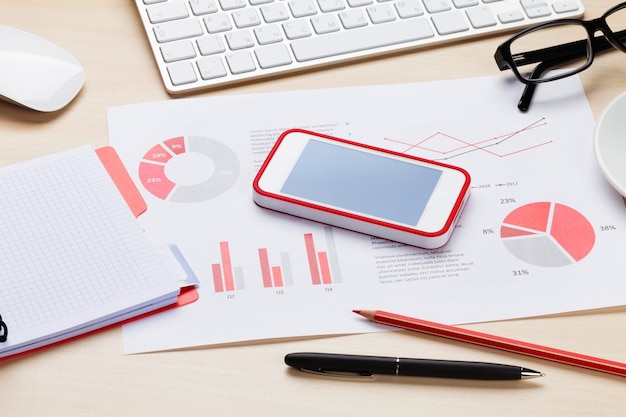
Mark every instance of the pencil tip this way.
pixel 368 314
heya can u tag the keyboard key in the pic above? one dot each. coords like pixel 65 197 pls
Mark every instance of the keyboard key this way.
pixel 359 3
pixel 408 8
pixel 275 12
pixel 182 73
pixel 273 56
pixel 464 3
pixel 302 8
pixel 381 13
pixel 536 8
pixel 377 36
pixel 245 18
pixel 201 7
pixel 297 29
pixel 451 22
pixel 536 12
pixel 510 17
pixel 211 68
pixel 179 29
pixel 164 12
pixel 240 39
pixel 530 4
pixel 354 18
pixel 177 51
pixel 210 45
pixel 565 6
pixel 268 34
pixel 437 6
pixel 325 24
pixel 331 5
pixel 232 4
pixel 218 23
pixel 481 17
pixel 240 62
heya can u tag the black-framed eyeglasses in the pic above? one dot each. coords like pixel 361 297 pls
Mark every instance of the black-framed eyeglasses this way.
pixel 533 53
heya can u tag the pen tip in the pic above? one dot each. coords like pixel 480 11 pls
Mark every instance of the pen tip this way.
pixel 356 311
pixel 529 373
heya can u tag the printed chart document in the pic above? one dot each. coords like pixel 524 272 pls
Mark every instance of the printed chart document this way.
pixel 542 231
pixel 74 257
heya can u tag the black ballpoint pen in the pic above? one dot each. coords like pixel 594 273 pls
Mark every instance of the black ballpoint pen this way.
pixel 346 365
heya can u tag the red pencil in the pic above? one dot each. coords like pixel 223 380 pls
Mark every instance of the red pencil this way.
pixel 497 342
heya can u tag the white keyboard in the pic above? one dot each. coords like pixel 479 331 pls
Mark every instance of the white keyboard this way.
pixel 200 44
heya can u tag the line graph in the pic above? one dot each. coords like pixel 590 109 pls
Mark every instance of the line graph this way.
pixel 441 146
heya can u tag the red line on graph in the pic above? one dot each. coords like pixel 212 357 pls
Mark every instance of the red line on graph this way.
pixel 466 147
pixel 227 265
pixel 312 258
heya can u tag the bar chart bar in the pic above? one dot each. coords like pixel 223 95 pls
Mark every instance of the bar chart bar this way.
pixel 333 257
pixel 278 276
pixel 239 281
pixel 312 258
pixel 218 281
pixel 227 266
pixel 285 261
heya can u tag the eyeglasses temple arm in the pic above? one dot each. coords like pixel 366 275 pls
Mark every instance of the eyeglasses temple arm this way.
pixel 562 53
pixel 529 89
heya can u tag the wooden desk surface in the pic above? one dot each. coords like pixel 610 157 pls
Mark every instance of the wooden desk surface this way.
pixel 91 377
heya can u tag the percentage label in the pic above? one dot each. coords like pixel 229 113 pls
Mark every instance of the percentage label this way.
pixel 608 228
pixel 153 180
pixel 509 200
pixel 488 231
pixel 521 273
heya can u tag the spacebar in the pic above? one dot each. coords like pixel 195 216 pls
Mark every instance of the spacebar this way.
pixel 355 40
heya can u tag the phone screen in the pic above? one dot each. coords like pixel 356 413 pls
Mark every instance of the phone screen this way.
pixel 362 182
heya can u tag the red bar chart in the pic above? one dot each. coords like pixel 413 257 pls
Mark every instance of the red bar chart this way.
pixel 275 275
pixel 226 277
pixel 323 265
pixel 316 262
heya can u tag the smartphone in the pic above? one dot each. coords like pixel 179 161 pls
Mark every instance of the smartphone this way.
pixel 362 188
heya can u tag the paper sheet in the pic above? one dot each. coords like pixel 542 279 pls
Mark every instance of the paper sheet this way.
pixel 542 231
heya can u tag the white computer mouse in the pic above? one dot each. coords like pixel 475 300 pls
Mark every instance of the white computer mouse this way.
pixel 37 73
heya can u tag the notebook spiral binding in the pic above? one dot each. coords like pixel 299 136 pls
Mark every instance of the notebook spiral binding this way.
pixel 4 330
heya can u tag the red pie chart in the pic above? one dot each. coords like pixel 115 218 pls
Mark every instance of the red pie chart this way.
pixel 547 234
pixel 188 169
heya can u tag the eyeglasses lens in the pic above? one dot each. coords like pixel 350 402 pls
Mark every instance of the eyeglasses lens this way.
pixel 616 21
pixel 564 44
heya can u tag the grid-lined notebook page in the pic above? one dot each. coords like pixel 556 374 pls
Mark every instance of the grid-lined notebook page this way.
pixel 72 254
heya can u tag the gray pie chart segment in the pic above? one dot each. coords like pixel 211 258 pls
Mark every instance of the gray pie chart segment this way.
pixel 225 173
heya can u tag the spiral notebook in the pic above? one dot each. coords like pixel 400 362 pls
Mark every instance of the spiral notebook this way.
pixel 74 257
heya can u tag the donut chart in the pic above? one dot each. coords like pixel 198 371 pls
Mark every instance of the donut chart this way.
pixel 547 234
pixel 189 169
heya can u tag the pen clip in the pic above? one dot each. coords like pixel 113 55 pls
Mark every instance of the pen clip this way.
pixel 340 374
